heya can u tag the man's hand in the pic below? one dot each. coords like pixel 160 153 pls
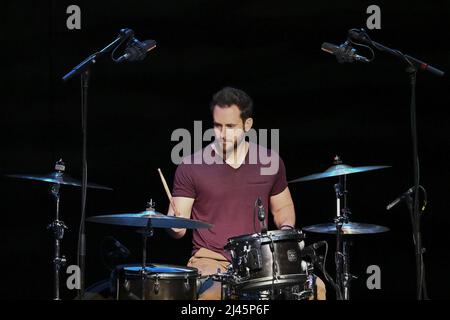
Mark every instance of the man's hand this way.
pixel 184 209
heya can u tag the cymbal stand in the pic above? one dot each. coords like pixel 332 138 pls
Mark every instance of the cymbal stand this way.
pixel 342 257
pixel 147 232
pixel 57 226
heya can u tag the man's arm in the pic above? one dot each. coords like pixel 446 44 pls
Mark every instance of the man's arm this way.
pixel 184 209
pixel 282 208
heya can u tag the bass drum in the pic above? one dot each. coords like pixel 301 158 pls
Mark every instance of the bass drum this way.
pixel 157 282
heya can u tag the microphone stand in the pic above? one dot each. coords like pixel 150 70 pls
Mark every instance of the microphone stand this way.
pixel 413 66
pixel 83 68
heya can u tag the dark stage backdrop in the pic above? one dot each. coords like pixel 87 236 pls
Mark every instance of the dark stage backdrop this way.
pixel 271 49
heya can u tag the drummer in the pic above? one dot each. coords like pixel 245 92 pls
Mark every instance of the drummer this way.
pixel 223 192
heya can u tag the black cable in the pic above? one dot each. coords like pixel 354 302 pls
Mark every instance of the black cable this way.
pixel 328 278
pixel 425 199
pixel 363 45
pixel 415 213
pixel 114 51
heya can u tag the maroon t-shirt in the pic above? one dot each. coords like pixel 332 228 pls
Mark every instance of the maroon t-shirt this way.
pixel 225 197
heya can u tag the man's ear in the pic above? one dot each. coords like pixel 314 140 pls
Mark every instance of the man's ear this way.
pixel 248 124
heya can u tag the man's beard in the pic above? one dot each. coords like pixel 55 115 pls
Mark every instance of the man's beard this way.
pixel 227 148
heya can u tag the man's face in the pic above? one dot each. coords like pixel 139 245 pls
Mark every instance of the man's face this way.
pixel 229 127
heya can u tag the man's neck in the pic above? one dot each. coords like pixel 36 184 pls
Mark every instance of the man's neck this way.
pixel 237 156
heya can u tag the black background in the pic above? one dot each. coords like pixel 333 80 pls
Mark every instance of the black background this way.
pixel 269 49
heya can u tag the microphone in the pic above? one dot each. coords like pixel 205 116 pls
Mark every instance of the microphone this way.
pixel 261 214
pixel 400 198
pixel 315 245
pixel 137 50
pixel 344 52
pixel 261 211
pixel 310 250
pixel 121 251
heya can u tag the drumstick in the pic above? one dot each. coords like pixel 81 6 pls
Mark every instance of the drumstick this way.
pixel 167 191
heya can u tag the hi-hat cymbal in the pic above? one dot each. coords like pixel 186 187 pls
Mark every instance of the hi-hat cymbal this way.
pixel 338 170
pixel 347 228
pixel 57 178
pixel 141 219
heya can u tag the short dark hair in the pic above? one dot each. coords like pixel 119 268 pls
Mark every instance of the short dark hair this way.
pixel 228 96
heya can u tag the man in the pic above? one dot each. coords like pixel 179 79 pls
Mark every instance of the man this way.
pixel 223 193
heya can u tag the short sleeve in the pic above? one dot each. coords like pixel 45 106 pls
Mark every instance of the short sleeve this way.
pixel 280 182
pixel 183 184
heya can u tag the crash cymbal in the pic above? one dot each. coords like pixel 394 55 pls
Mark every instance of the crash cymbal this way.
pixel 158 220
pixel 338 170
pixel 57 178
pixel 347 228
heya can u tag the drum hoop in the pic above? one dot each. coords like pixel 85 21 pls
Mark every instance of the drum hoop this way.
pixel 267 281
pixel 275 235
pixel 186 273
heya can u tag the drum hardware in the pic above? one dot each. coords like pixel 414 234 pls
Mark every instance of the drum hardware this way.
pixel 266 261
pixel 59 177
pixel 349 228
pixel 299 291
pixel 341 225
pixel 155 288
pixel 57 226
pixel 186 283
pixel 342 257
pixel 56 179
pixel 146 233
pixel 153 281
pixel 274 266
pixel 161 282
pixel 140 220
pixel 337 170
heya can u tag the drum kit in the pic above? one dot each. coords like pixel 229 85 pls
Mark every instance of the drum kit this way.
pixel 271 265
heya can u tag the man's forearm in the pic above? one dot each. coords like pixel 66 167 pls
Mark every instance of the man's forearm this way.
pixel 285 217
pixel 175 232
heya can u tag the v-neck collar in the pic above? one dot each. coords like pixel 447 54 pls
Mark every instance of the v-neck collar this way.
pixel 241 164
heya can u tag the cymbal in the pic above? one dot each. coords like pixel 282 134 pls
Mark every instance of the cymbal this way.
pixel 347 228
pixel 338 170
pixel 140 219
pixel 58 178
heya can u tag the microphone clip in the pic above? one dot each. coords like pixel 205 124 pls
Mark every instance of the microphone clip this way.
pixel 346 53
pixel 136 50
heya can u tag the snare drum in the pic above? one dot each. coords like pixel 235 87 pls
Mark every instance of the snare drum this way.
pixel 157 282
pixel 262 261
